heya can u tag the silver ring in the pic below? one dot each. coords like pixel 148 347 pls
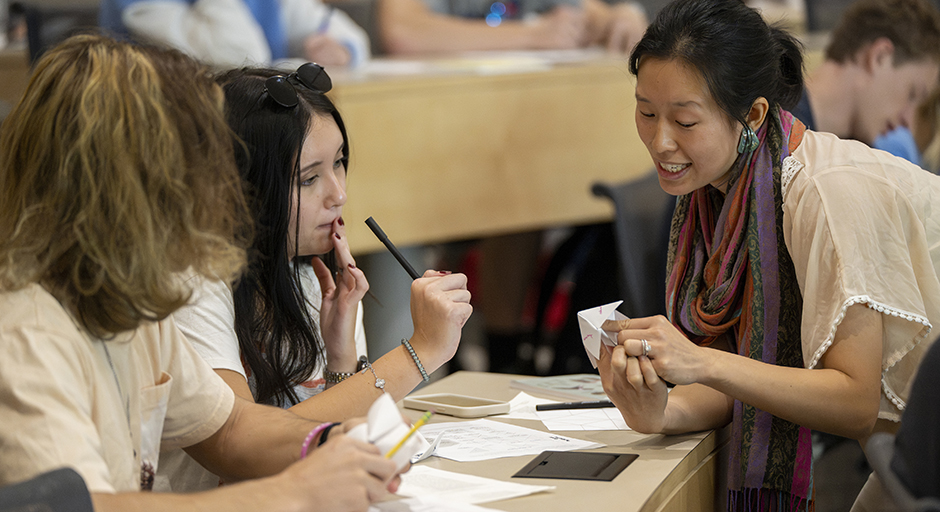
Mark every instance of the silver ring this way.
pixel 646 347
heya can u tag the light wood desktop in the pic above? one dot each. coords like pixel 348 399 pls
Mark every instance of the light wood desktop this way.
pixel 672 473
pixel 458 152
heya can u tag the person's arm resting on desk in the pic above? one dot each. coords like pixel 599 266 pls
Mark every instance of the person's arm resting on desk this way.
pixel 263 441
pixel 409 27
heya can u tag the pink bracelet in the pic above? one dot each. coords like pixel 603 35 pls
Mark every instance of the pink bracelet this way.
pixel 313 433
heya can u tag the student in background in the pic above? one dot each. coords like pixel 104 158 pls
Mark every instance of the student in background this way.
pixel 508 262
pixel 291 327
pixel 421 27
pixel 920 143
pixel 882 62
pixel 229 33
pixel 802 281
pixel 117 172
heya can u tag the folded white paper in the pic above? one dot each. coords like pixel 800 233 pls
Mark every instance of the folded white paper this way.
pixel 385 428
pixel 590 322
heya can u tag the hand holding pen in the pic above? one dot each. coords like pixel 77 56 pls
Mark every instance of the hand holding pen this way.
pixel 440 306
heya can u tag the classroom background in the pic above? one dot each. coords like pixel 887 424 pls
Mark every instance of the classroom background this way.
pixel 576 263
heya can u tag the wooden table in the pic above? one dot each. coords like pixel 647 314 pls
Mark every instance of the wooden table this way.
pixel 672 473
pixel 441 156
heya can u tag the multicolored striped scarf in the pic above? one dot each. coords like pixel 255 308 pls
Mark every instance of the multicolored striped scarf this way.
pixel 730 272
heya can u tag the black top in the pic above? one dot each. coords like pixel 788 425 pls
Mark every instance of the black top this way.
pixel 804 113
pixel 916 458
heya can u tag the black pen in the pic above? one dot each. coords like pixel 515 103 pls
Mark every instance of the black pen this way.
pixel 391 248
pixel 596 404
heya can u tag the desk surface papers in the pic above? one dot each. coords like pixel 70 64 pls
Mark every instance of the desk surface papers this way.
pixel 450 487
pixel 605 418
pixel 466 441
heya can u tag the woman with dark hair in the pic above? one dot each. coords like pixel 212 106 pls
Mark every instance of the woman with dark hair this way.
pixel 292 326
pixel 116 174
pixel 802 269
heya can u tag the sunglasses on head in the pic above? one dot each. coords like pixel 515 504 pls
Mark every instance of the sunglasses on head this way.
pixel 312 76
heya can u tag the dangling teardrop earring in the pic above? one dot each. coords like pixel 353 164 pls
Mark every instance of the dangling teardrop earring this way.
pixel 748 141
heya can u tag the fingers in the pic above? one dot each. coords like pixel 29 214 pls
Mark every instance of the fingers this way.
pixel 393 484
pixel 634 375
pixel 615 325
pixel 324 276
pixel 351 276
pixel 650 377
pixel 341 244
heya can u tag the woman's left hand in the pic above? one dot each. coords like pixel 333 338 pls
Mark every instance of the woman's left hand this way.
pixel 340 302
pixel 673 356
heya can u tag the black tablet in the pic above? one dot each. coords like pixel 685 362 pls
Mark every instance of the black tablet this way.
pixel 577 465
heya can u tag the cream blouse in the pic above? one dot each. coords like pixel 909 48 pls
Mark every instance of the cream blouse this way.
pixel 863 227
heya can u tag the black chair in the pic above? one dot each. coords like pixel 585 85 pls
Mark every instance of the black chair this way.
pixel 642 216
pixel 60 490
pixel 47 26
pixel 908 464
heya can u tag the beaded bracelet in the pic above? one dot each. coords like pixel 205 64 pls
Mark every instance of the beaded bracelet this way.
pixel 411 350
pixel 313 433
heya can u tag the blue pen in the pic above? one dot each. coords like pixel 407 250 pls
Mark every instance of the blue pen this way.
pixel 325 24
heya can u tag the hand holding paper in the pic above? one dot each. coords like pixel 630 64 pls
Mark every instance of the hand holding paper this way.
pixel 590 322
pixel 386 428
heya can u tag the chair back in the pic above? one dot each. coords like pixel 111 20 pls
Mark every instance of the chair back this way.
pixel 47 26
pixel 642 216
pixel 60 490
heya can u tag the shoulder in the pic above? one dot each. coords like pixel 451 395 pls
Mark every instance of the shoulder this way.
pixel 34 308
pixel 833 165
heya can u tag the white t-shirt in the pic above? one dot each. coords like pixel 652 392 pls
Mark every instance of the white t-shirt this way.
pixel 208 321
pixel 105 409
pixel 225 33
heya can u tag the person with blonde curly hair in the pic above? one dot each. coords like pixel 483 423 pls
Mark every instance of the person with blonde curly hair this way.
pixel 117 173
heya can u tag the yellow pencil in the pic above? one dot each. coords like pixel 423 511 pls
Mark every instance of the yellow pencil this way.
pixel 424 419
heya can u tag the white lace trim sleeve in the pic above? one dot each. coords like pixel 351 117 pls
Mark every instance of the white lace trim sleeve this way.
pixel 894 358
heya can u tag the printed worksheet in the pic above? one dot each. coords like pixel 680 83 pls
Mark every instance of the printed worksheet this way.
pixel 466 441
pixel 605 418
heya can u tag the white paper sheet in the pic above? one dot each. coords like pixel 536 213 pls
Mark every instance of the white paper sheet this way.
pixel 590 322
pixel 430 504
pixel 486 439
pixel 605 418
pixel 522 407
pixel 451 487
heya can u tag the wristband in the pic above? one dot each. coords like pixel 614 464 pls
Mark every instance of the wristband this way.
pixel 313 433
pixel 411 350
pixel 325 433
